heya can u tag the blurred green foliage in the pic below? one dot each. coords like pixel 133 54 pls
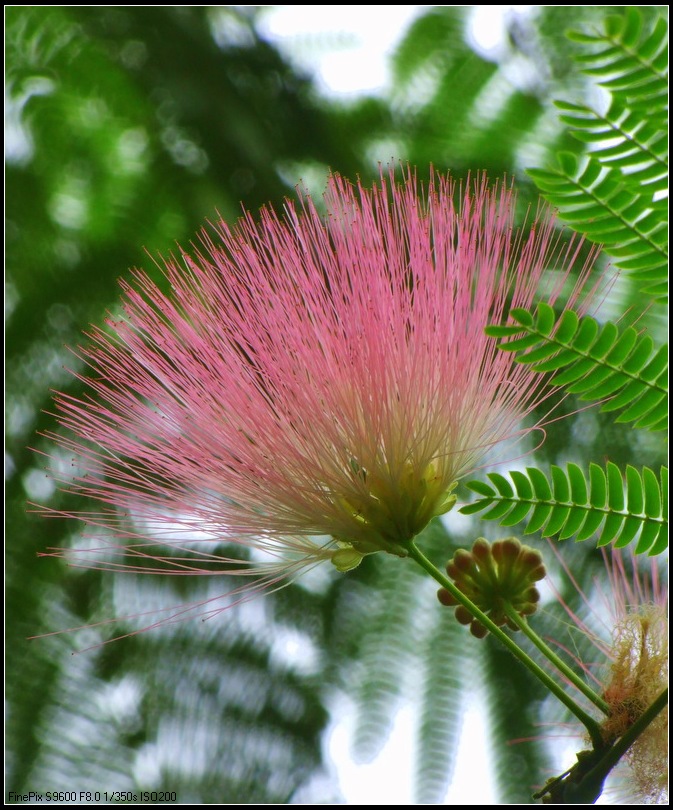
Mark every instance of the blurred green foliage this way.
pixel 128 128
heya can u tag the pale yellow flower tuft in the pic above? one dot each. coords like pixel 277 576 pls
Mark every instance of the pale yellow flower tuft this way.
pixel 638 675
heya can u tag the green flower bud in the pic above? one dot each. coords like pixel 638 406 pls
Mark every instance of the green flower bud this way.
pixel 496 577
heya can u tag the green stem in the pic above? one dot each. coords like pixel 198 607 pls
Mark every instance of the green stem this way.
pixel 587 721
pixel 627 739
pixel 591 785
pixel 551 656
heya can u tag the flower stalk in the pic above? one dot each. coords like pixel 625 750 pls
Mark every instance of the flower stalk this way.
pixel 617 751
pixel 583 783
pixel 587 721
pixel 554 659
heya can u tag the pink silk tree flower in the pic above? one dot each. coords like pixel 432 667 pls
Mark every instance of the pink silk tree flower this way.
pixel 309 387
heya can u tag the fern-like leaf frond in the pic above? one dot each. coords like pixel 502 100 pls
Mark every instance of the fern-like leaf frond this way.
pixel 568 505
pixel 614 193
pixel 631 64
pixel 593 361
pixel 598 202
pixel 622 138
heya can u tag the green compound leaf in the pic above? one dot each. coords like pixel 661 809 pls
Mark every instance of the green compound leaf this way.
pixel 615 192
pixel 616 507
pixel 621 138
pixel 594 362
pixel 629 62
pixel 597 201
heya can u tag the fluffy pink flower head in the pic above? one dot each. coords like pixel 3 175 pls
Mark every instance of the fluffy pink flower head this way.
pixel 311 387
